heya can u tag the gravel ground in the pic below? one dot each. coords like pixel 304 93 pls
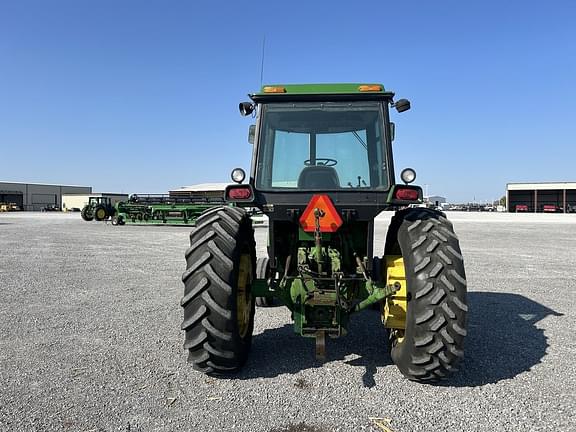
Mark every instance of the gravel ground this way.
pixel 90 339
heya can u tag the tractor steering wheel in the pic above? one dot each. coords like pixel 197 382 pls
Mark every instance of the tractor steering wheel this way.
pixel 321 162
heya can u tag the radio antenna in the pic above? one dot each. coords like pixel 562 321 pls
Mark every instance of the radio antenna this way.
pixel 262 63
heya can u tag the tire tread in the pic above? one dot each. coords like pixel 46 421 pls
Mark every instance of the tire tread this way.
pixel 433 342
pixel 211 331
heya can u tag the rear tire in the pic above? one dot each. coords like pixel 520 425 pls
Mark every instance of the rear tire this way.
pixel 433 341
pixel 218 305
pixel 86 214
pixel 100 213
pixel 263 272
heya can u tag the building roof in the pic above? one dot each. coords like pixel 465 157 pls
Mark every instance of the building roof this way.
pixel 202 187
pixel 43 184
pixel 541 186
pixel 94 194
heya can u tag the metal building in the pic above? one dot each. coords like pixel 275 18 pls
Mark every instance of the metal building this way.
pixel 557 197
pixel 203 191
pixel 36 196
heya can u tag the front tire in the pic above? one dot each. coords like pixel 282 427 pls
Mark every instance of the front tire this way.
pixel 432 343
pixel 218 305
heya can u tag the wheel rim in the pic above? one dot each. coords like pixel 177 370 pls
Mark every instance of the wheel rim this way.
pixel 101 213
pixel 243 294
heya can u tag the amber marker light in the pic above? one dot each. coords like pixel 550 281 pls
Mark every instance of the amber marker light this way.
pixel 370 88
pixel 271 89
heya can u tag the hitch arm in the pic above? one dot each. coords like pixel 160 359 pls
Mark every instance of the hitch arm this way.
pixel 376 294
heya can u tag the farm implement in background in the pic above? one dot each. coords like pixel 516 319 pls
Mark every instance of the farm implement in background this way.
pixel 163 209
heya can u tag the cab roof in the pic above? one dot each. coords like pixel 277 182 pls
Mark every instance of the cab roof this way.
pixel 341 91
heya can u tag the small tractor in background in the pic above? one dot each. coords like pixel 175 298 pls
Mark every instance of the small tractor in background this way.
pixel 322 170
pixel 98 208
pixel 8 207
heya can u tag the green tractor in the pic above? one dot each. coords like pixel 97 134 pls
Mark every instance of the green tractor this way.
pixel 98 208
pixel 322 171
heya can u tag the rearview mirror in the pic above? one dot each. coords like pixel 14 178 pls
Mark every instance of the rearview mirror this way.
pixel 251 134
pixel 246 108
pixel 402 105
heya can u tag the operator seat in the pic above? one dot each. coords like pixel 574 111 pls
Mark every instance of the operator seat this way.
pixel 318 177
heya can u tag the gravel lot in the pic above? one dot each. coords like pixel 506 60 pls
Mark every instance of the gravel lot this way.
pixel 90 339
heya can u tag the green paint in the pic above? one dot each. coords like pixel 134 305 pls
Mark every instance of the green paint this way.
pixel 304 236
pixel 297 291
pixel 377 293
pixel 335 259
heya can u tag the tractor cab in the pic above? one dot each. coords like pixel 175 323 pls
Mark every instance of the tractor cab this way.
pixel 331 138
pixel 95 201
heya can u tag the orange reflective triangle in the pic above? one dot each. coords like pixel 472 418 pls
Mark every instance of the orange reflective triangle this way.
pixel 331 220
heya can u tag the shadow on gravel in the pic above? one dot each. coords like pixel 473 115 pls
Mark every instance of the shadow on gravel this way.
pixel 301 427
pixel 503 340
pixel 278 351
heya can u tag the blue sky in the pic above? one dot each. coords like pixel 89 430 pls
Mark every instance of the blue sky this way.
pixel 142 96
